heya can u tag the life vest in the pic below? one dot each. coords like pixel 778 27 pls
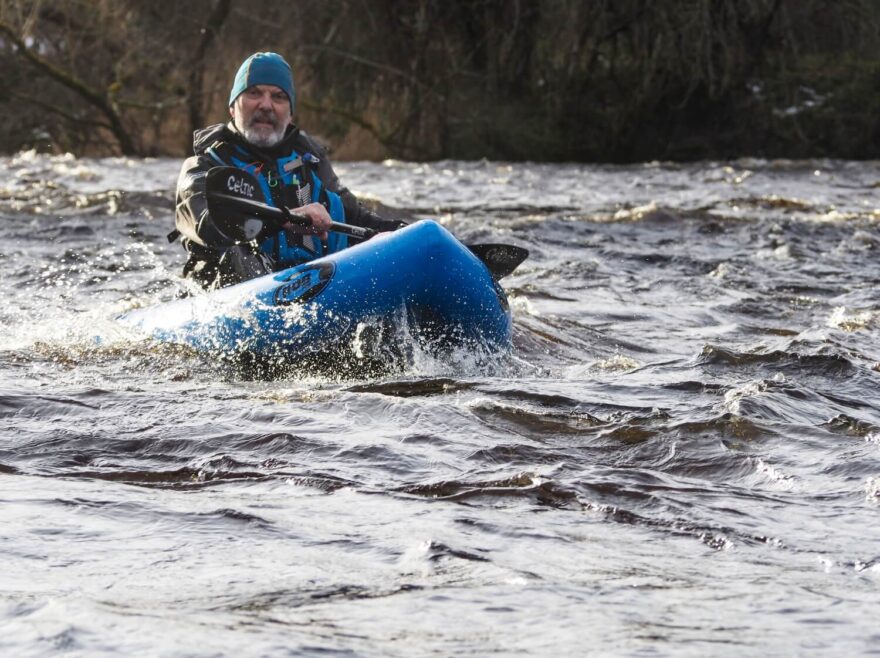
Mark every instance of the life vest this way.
pixel 291 181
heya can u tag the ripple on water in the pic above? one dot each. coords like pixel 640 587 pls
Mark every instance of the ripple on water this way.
pixel 686 429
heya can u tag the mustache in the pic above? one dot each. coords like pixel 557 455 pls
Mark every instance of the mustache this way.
pixel 263 115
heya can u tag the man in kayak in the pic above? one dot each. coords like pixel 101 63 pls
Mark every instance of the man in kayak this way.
pixel 293 171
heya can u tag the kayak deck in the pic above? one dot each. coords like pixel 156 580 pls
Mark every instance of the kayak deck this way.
pixel 419 275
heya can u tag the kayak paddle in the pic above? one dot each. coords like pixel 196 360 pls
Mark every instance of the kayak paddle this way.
pixel 237 204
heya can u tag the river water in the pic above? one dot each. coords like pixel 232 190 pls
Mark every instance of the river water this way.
pixel 680 457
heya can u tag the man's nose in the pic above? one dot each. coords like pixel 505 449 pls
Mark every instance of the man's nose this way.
pixel 265 101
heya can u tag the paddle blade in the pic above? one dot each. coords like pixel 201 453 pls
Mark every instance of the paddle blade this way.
pixel 234 182
pixel 237 205
pixel 500 259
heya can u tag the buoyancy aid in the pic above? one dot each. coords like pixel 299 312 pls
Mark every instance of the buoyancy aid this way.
pixel 291 181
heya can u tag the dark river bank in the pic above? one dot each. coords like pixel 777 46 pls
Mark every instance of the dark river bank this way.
pixel 680 457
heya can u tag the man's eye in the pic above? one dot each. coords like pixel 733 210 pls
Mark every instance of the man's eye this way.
pixel 279 98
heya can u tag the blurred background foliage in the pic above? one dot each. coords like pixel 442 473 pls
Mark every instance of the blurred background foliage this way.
pixel 545 80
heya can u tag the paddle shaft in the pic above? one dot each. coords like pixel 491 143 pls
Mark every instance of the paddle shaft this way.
pixel 500 259
pixel 281 216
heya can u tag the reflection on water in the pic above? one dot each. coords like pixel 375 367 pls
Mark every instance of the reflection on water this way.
pixel 681 456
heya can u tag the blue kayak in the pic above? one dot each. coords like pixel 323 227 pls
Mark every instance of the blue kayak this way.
pixel 419 276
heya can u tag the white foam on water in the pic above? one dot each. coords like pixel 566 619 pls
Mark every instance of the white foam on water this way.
pixel 872 490
pixel 848 320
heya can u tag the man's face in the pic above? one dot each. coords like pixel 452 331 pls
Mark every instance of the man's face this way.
pixel 261 113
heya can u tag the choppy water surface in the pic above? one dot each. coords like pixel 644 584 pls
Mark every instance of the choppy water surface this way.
pixel 681 456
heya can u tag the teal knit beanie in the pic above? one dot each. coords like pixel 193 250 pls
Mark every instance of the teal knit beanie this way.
pixel 264 69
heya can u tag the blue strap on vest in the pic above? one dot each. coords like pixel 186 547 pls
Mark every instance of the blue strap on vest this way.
pixel 335 241
pixel 278 246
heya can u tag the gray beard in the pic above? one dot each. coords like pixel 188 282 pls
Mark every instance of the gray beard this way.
pixel 262 139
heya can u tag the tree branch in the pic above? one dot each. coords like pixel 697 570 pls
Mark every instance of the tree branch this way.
pixel 367 62
pixel 73 83
pixel 73 118
pixel 385 139
pixel 197 64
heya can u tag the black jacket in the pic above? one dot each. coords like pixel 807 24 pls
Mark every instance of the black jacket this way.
pixel 202 238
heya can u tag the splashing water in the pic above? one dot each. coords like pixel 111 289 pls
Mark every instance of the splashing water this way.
pixel 679 456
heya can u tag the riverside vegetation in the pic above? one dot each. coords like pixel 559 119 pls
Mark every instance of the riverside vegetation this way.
pixel 545 80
